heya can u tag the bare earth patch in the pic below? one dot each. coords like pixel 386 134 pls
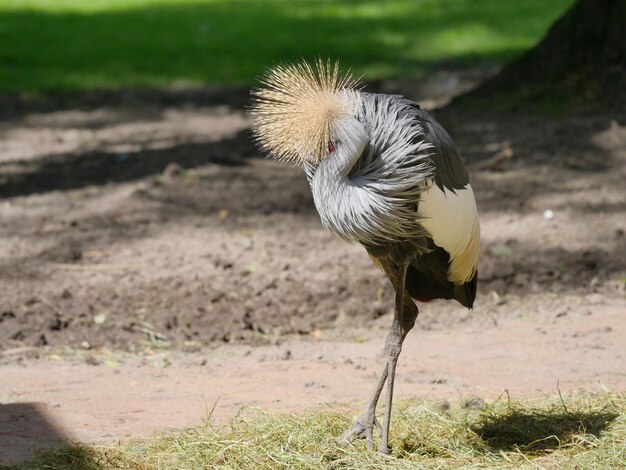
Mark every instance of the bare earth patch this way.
pixel 153 265
pixel 105 396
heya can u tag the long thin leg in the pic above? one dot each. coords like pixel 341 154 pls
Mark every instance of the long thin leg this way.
pixel 393 346
pixel 365 423
pixel 402 324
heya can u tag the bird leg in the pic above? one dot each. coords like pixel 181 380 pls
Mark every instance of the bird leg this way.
pixel 393 346
pixel 364 425
pixel 402 324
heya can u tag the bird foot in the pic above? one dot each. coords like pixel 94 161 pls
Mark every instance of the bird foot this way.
pixel 384 449
pixel 363 429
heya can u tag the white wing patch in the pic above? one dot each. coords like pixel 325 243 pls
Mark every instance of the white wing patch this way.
pixel 452 221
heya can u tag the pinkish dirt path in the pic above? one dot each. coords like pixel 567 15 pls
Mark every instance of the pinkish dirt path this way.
pixel 43 401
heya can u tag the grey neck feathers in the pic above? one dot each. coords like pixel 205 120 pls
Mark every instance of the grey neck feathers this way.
pixel 347 150
pixel 368 189
pixel 336 197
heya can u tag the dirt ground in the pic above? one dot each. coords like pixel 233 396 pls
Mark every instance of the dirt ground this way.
pixel 145 239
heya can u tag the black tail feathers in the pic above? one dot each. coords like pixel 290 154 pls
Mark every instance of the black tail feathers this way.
pixel 427 279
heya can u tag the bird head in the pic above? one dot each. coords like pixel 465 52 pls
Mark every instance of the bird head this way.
pixel 301 111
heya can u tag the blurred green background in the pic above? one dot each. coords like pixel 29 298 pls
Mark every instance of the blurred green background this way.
pixel 48 45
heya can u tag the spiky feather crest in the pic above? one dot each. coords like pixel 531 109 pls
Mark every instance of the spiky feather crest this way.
pixel 294 111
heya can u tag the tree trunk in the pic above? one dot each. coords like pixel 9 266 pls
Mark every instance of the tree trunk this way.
pixel 582 59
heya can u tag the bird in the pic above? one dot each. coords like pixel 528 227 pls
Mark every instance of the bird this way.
pixel 385 174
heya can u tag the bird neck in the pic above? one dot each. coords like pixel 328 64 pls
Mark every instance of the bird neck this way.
pixel 336 168
pixel 347 150
pixel 335 195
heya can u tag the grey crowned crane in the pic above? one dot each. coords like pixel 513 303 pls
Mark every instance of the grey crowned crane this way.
pixel 385 174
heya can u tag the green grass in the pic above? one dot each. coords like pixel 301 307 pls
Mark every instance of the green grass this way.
pixel 48 45
pixel 583 431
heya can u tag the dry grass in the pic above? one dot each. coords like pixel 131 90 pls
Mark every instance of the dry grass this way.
pixel 582 431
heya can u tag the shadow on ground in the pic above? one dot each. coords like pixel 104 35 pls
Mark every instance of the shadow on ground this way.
pixel 76 170
pixel 25 427
pixel 227 246
pixel 74 457
pixel 537 431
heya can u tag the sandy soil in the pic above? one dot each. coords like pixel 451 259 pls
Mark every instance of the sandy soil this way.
pixel 141 230
pixel 110 396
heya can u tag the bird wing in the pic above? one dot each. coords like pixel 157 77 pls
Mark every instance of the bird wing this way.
pixel 412 165
pixel 447 210
pixel 451 173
